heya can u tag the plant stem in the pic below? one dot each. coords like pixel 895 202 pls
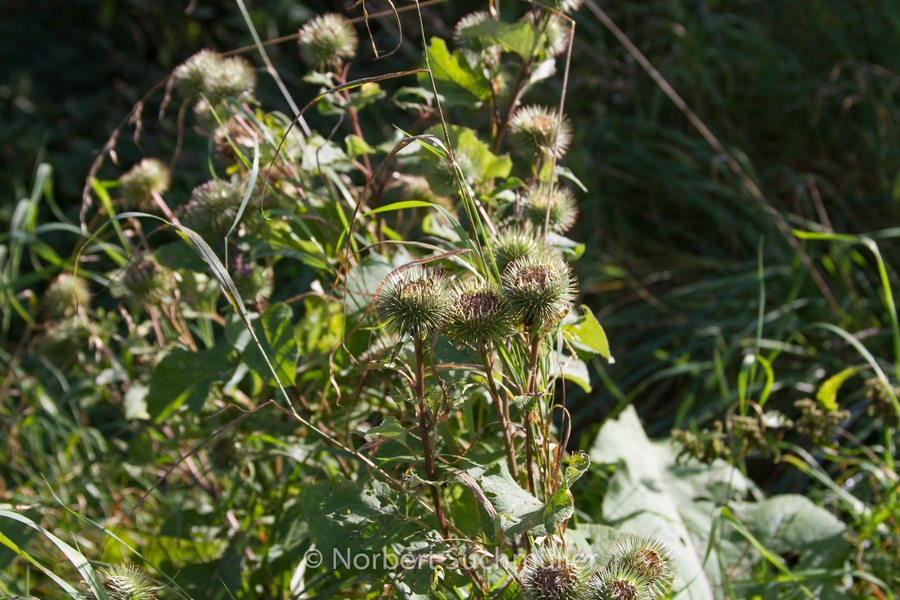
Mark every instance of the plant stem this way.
pixel 529 418
pixel 427 447
pixel 503 411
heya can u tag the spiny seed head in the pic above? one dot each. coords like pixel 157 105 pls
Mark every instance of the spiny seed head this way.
pixel 565 6
pixel 141 181
pixel 65 295
pixel 213 207
pixel 253 282
pixel 560 203
pixel 231 78
pixel 127 582
pixel 516 242
pixel 648 557
pixel 476 49
pixel 413 303
pixel 533 131
pixel 551 572
pixel 479 315
pixel 145 281
pixel 619 583
pixel 540 289
pixel 327 41
pixel 63 335
pixel 556 34
pixel 190 75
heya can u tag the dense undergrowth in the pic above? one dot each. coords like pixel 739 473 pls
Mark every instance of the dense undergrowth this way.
pixel 343 354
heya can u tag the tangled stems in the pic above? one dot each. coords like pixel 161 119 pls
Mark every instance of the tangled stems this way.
pixel 425 430
pixel 503 412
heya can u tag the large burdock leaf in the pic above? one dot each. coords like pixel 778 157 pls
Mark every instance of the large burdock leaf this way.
pixel 515 510
pixel 650 494
pixel 791 528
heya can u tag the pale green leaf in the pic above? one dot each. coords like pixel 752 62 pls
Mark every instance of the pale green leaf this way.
pixel 587 334
pixel 827 394
pixel 456 81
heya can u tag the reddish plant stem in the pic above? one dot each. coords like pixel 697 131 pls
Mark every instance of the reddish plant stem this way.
pixel 425 430
pixel 529 417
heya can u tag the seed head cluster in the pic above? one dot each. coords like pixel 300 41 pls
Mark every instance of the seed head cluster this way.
pixel 216 78
pixel 213 207
pixel 640 567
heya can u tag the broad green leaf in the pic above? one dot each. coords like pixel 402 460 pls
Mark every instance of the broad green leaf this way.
pixel 578 464
pixel 521 37
pixel 456 81
pixel 517 510
pixel 356 146
pixel 587 334
pixel 827 394
pixel 389 428
pixel 185 377
pixel 572 369
pixel 649 493
pixel 478 164
pixel 782 525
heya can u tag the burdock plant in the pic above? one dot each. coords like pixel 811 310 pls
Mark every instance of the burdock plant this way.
pixel 143 181
pixel 145 281
pixel 326 41
pixel 617 582
pixel 534 132
pixel 540 289
pixel 552 572
pixel 476 49
pixel 647 557
pixel 231 78
pixel 479 315
pixel 555 207
pixel 65 295
pixel 513 243
pixel 213 207
pixel 189 76
pixel 480 318
pixel 127 582
pixel 414 303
